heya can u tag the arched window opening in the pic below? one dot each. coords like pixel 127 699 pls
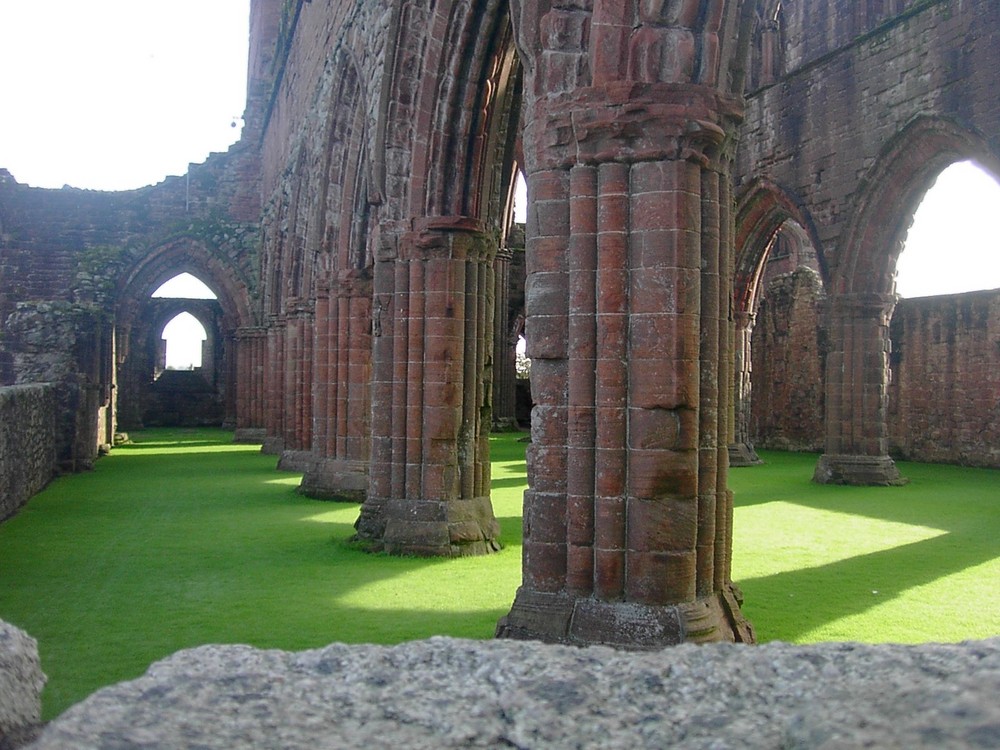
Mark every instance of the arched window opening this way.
pixel 184 337
pixel 523 363
pixel 952 245
pixel 789 250
pixel 184 286
pixel 520 199
pixel 778 398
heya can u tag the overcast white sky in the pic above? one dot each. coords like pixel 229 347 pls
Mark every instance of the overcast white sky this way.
pixel 118 94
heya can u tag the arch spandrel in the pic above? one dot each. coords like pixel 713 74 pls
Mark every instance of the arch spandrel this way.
pixel 191 255
pixel 762 208
pixel 887 197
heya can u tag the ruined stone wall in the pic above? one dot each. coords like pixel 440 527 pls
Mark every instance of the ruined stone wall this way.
pixel 311 35
pixel 818 132
pixel 27 443
pixel 66 260
pixel 868 103
pixel 787 354
pixel 944 398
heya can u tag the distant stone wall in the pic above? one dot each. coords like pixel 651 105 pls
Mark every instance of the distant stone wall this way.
pixel 944 398
pixel 27 443
pixel 787 397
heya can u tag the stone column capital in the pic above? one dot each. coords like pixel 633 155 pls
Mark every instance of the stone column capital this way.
pixel 250 332
pixel 455 238
pixel 863 305
pixel 627 121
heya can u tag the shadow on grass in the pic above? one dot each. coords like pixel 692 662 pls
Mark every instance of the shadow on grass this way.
pixel 790 605
pixel 955 507
pixel 184 539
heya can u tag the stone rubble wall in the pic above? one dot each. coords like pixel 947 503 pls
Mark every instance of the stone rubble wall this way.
pixel 27 443
pixel 820 131
pixel 787 398
pixel 447 693
pixel 944 397
pixel 21 682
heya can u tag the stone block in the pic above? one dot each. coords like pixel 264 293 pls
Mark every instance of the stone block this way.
pixel 21 683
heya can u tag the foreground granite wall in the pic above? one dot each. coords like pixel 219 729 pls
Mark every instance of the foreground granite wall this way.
pixel 446 693
pixel 27 443
pixel 21 682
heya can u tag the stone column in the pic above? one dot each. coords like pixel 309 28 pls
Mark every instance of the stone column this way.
pixel 857 377
pixel 251 349
pixel 504 350
pixel 296 452
pixel 741 451
pixel 341 401
pixel 274 388
pixel 627 520
pixel 428 491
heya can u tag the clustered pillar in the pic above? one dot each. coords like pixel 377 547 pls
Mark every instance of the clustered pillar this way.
pixel 857 379
pixel 741 450
pixel 295 417
pixel 432 359
pixel 251 354
pixel 504 352
pixel 338 469
pixel 627 526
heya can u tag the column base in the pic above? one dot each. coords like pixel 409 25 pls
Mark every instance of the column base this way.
pixel 862 471
pixel 300 461
pixel 272 446
pixel 429 528
pixel 743 454
pixel 249 435
pixel 335 479
pixel 584 621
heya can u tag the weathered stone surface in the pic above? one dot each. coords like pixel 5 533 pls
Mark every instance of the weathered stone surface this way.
pixel 945 360
pixel 27 443
pixel 21 683
pixel 787 353
pixel 445 693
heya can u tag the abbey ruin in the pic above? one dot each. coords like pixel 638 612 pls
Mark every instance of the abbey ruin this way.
pixel 718 191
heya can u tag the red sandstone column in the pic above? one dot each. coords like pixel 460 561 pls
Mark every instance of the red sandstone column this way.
pixel 274 387
pixel 297 407
pixel 250 342
pixel 627 521
pixel 338 465
pixel 857 377
pixel 428 492
pixel 504 357
pixel 741 450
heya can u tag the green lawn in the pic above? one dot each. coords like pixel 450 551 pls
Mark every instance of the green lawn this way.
pixel 185 538
pixel 879 564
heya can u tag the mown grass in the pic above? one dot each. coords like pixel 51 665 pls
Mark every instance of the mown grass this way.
pixel 185 538
pixel 878 564
pixel 169 544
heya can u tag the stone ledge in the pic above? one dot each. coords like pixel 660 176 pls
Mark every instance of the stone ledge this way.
pixel 446 693
pixel 21 682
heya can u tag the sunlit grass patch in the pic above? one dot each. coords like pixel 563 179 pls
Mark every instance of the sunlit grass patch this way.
pixel 184 538
pixel 878 564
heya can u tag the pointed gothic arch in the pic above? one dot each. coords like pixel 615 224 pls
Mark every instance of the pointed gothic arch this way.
pixel 863 295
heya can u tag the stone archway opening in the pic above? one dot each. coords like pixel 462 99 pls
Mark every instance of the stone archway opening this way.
pixel 780 280
pixel 176 351
pixel 786 346
pixel 183 337
pixel 951 247
pixel 944 352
